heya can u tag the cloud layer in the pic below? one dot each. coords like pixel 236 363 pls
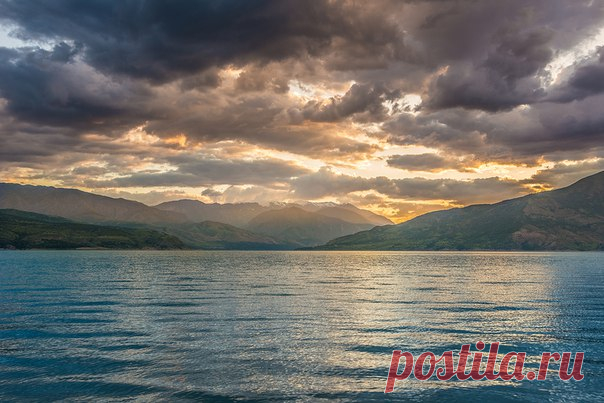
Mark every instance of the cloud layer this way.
pixel 400 106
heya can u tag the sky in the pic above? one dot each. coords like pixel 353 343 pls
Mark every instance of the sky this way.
pixel 400 107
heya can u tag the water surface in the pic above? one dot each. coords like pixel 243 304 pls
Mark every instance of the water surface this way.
pixel 301 326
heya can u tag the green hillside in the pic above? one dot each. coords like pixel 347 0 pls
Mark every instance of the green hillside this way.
pixel 571 218
pixel 215 235
pixel 24 230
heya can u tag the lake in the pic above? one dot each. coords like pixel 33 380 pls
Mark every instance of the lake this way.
pixel 300 326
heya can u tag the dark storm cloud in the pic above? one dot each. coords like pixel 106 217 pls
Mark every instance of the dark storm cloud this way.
pixel 585 81
pixel 504 79
pixel 48 88
pixel 496 50
pixel 162 40
pixel 366 101
pixel 456 131
pixel 484 89
pixel 518 136
pixel 261 78
pixel 208 79
pixel 492 52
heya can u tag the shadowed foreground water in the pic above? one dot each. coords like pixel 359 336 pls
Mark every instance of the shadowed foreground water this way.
pixel 222 326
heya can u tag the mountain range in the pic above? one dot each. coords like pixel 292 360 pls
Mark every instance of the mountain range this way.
pixel 570 218
pixel 240 214
pixel 81 206
pixel 198 225
pixel 299 227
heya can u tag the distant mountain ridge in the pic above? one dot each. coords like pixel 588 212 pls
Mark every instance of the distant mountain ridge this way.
pixel 570 218
pixel 240 214
pixel 337 211
pixel 294 224
pixel 303 228
pixel 81 206
pixel 196 211
pixel 197 224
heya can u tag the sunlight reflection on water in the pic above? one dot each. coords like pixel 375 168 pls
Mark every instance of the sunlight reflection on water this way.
pixel 287 325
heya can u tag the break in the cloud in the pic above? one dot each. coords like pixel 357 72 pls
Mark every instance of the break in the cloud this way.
pixel 399 106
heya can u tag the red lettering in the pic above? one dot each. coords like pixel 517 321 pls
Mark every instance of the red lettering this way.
pixel 463 360
pixel 419 365
pixel 476 362
pixel 576 371
pixel 446 373
pixel 490 371
pixel 503 368
pixel 392 373
pixel 545 358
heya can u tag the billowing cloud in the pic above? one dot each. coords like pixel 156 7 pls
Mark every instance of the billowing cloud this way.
pixel 365 102
pixel 586 80
pixel 161 41
pixel 522 136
